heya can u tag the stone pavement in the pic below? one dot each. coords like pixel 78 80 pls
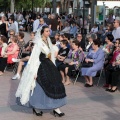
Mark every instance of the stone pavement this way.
pixel 82 103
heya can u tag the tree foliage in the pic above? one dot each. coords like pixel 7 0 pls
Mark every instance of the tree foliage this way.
pixel 27 4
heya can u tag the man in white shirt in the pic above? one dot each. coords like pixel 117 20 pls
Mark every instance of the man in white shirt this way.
pixel 16 24
pixel 116 31
pixel 36 24
pixel 94 29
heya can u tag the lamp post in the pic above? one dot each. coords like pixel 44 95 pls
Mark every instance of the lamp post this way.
pixel 32 6
pixel 103 13
pixel 54 6
pixel 83 31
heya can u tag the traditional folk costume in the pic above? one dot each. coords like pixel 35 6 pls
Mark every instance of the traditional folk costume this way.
pixel 47 91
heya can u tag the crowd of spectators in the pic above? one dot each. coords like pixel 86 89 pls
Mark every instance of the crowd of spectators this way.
pixel 73 49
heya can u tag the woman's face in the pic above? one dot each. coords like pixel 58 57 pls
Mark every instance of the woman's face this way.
pixel 46 32
pixel 74 46
pixel 107 40
pixel 94 46
pixel 90 39
pixel 117 43
pixel 60 38
pixel 32 36
pixel 56 37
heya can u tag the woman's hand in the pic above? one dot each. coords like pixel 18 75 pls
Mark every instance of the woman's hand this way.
pixel 86 60
pixel 35 77
pixel 89 60
pixel 117 63
pixel 71 63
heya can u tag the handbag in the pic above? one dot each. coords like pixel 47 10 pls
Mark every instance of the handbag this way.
pixel 113 68
pixel 67 61
pixel 85 64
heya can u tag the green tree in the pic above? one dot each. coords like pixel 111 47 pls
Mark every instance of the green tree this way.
pixel 27 4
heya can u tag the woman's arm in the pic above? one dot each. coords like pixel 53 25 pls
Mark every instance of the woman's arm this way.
pixel 100 57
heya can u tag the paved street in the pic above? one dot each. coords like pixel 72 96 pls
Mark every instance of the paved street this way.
pixel 83 103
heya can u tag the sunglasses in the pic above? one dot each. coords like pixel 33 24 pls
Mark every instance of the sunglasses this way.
pixel 79 36
pixel 11 34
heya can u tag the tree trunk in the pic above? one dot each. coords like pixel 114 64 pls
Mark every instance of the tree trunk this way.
pixel 62 5
pixel 12 6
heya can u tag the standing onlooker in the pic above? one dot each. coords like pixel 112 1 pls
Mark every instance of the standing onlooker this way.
pixel 11 25
pixel 116 31
pixel 53 24
pixel 3 27
pixel 36 24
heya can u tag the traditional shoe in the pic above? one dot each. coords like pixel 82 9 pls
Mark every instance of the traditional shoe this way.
pixel 58 114
pixel 37 114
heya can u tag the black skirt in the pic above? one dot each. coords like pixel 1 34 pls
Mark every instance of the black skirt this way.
pixel 49 78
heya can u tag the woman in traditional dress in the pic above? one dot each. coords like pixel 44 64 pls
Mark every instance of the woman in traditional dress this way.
pixel 41 84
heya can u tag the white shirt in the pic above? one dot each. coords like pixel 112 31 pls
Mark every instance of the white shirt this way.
pixel 116 33
pixel 35 25
pixel 16 25
pixel 66 30
pixel 55 48
pixel 94 30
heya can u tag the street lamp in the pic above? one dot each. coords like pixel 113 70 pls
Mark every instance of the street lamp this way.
pixel 32 6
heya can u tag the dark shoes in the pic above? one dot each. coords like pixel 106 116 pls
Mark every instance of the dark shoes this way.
pixel 110 90
pixel 37 114
pixel 88 85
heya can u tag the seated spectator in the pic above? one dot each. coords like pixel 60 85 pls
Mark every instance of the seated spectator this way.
pixel 90 38
pixel 73 30
pixel 21 43
pixel 12 50
pixel 11 33
pixel 72 62
pixel 96 55
pixel 94 29
pixel 22 62
pixel 63 52
pixel 3 59
pixel 112 76
pixel 66 28
pixel 81 41
pixel 28 46
pixel 57 39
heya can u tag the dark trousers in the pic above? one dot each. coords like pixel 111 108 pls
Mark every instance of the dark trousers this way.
pixel 3 63
pixel 112 77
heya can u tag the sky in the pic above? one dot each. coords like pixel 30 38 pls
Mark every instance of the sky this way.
pixel 110 4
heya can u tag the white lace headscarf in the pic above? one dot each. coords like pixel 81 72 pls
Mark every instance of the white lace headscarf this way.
pixel 27 82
